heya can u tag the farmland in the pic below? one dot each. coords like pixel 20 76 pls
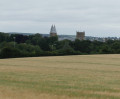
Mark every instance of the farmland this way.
pixel 61 77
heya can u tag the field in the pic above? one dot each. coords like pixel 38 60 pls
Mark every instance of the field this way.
pixel 63 77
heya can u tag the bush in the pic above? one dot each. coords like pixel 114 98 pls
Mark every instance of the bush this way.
pixel 10 52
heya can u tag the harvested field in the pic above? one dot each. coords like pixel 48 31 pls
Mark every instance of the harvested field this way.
pixel 61 77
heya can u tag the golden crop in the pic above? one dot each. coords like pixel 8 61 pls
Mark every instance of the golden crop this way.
pixel 61 77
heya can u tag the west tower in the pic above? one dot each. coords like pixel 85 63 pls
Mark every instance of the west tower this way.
pixel 53 31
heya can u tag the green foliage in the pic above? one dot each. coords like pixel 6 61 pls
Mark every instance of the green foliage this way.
pixel 105 49
pixel 66 49
pixel 9 52
pixel 36 45
pixel 4 37
pixel 6 44
pixel 83 46
pixel 116 47
pixel 37 39
pixel 52 40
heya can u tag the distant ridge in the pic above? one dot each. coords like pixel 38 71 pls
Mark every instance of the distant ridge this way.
pixel 20 33
pixel 61 37
pixel 69 37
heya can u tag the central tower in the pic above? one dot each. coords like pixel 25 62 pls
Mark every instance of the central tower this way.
pixel 80 35
pixel 53 31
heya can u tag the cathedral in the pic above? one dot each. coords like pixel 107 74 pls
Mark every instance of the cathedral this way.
pixel 79 35
pixel 53 31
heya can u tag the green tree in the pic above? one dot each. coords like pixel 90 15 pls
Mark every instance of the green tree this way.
pixel 116 47
pixel 67 49
pixel 105 49
pixel 82 46
pixel 9 52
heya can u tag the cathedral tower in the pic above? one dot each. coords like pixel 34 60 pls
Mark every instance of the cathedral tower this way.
pixel 53 31
pixel 80 35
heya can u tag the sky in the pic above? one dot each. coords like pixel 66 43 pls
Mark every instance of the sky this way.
pixel 99 18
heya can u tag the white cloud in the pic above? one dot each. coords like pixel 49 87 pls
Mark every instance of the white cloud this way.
pixel 96 17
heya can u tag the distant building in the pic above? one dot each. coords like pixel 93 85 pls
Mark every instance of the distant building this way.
pixel 105 39
pixel 53 31
pixel 80 35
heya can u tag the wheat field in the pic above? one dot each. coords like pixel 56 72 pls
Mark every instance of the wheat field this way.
pixel 61 77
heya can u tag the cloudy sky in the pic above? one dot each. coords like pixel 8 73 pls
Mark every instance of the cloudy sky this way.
pixel 96 17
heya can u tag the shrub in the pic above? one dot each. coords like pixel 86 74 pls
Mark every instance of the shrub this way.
pixel 9 52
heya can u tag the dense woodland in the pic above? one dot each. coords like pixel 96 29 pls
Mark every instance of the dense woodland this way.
pixel 17 45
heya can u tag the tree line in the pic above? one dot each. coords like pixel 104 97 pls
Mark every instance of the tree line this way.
pixel 18 45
